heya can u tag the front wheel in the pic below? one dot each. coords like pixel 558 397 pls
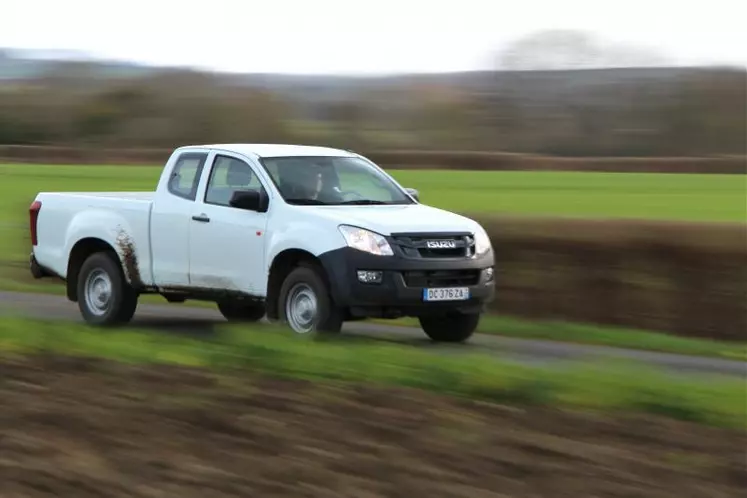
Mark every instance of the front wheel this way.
pixel 105 298
pixel 453 327
pixel 305 303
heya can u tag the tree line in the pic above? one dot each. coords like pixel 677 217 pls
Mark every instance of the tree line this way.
pixel 607 112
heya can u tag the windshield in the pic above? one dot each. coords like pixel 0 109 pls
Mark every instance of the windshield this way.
pixel 332 181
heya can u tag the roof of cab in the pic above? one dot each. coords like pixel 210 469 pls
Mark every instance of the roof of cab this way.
pixel 279 150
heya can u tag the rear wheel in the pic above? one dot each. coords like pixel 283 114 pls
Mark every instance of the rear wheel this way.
pixel 452 327
pixel 237 311
pixel 105 298
pixel 305 303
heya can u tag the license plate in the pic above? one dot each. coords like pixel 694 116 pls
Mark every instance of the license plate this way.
pixel 446 294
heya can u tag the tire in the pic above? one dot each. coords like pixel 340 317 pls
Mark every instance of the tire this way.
pixel 453 327
pixel 99 308
pixel 236 311
pixel 306 284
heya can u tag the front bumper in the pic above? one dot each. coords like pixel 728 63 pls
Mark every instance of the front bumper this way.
pixel 400 289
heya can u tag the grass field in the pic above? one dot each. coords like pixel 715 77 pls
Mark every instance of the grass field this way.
pixel 607 387
pixel 653 196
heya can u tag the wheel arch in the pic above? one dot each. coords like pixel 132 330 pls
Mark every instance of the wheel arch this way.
pixel 79 253
pixel 283 263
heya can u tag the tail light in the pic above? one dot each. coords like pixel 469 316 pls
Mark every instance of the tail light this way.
pixel 33 218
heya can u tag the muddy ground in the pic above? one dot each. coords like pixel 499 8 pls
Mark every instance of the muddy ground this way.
pixel 83 428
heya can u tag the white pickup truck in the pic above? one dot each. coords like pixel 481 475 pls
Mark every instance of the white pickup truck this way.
pixel 309 236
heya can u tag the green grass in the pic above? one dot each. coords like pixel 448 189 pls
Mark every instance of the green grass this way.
pixel 609 387
pixel 696 197
pixel 690 197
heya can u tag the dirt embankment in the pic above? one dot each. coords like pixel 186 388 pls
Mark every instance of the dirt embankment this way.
pixel 90 428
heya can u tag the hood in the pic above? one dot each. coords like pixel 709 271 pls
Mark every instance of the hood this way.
pixel 399 218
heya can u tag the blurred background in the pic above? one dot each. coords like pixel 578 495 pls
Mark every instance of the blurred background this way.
pixel 627 79
pixel 603 145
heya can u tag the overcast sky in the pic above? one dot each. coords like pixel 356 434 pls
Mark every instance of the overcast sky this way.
pixel 371 36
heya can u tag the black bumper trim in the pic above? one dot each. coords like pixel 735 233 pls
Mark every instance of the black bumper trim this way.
pixel 37 270
pixel 392 296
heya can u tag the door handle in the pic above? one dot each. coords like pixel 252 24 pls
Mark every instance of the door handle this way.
pixel 202 218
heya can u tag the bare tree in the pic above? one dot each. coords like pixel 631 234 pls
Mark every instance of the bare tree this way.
pixel 568 49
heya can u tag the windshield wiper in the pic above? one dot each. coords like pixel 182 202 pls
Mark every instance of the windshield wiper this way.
pixel 306 202
pixel 363 202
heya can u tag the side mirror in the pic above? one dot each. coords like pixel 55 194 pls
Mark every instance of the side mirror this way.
pixel 250 200
pixel 413 193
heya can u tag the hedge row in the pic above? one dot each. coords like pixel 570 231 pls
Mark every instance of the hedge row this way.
pixel 81 155
pixel 465 160
pixel 501 161
pixel 684 278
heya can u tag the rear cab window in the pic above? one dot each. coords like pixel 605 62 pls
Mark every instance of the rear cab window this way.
pixel 185 175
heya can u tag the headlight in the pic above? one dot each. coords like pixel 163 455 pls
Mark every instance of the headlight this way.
pixel 365 240
pixel 482 242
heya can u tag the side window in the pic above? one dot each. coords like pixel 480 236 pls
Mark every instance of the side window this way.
pixel 185 176
pixel 229 175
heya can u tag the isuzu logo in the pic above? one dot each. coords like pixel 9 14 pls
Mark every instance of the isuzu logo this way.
pixel 440 244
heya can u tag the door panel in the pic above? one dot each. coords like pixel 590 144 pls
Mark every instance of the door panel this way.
pixel 226 244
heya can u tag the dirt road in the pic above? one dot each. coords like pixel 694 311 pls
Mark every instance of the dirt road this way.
pixel 183 319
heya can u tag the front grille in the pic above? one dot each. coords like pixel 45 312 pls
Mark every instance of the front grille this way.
pixel 435 245
pixel 441 278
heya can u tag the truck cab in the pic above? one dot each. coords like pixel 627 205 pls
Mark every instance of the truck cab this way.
pixel 310 236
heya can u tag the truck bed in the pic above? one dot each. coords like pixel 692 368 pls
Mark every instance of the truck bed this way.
pixel 66 217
